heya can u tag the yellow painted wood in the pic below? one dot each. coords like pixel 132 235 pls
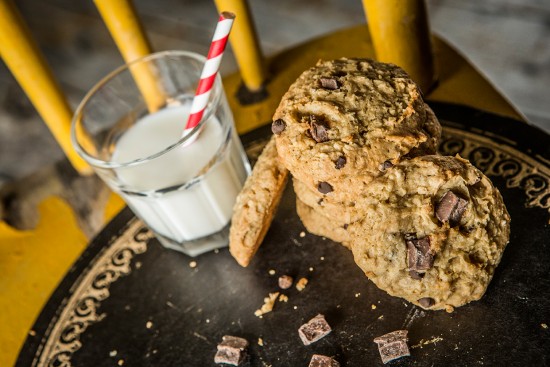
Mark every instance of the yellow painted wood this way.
pixel 459 82
pixel 400 35
pixel 22 289
pixel 121 20
pixel 23 58
pixel 244 41
pixel 31 265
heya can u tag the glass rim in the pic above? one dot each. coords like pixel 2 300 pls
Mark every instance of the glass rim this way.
pixel 96 162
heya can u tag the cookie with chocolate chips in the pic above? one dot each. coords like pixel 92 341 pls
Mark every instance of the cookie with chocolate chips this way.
pixel 411 241
pixel 342 119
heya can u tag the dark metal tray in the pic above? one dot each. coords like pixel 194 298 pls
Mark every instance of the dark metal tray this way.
pixel 128 301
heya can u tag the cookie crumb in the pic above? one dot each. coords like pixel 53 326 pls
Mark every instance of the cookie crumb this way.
pixel 301 284
pixel 544 326
pixel 207 321
pixel 260 342
pixel 302 234
pixel 357 295
pixel 373 306
pixel 318 360
pixel 193 264
pixel 113 353
pixel 322 258
pixel 32 333
pixel 271 272
pixel 138 264
pixel 285 281
pixel 295 307
pixel 149 325
pixel 269 301
pixel 310 268
pixel 217 251
pixel 120 362
pixel 283 298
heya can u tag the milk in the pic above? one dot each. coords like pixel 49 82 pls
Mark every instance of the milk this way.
pixel 175 193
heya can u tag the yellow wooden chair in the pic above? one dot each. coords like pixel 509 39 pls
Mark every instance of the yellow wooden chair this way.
pixel 32 262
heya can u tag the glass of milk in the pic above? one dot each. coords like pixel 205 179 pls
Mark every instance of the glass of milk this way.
pixel 129 127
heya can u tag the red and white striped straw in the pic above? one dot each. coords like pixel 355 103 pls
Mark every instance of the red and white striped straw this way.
pixel 210 69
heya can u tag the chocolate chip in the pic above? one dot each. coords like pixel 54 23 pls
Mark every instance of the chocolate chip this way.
pixel 324 187
pixel 450 208
pixel 232 350
pixel 426 302
pixel 278 126
pixel 314 329
pixel 384 166
pixel 419 255
pixel 318 360
pixel 345 226
pixel 285 281
pixel 329 83
pixel 318 129
pixel 457 213
pixel 393 345
pixel 340 162
pixel 416 275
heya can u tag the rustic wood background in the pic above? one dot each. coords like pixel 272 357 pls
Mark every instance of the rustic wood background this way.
pixel 508 40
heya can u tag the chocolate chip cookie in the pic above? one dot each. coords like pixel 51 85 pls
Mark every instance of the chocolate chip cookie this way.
pixel 433 232
pixel 343 122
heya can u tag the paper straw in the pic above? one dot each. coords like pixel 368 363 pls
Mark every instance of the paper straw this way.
pixel 210 69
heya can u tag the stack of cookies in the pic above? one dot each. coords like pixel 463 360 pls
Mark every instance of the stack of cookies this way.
pixel 360 144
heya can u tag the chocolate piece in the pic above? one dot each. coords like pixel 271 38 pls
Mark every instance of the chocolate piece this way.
pixel 340 162
pixel 345 226
pixel 318 360
pixel 324 187
pixel 314 329
pixel 460 208
pixel 329 83
pixel 426 302
pixel 285 281
pixel 393 345
pixel 278 126
pixel 384 166
pixel 450 208
pixel 232 350
pixel 416 275
pixel 419 255
pixel 318 129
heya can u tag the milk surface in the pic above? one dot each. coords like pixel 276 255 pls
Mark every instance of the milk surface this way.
pixel 171 193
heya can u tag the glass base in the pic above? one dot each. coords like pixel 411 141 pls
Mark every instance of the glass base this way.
pixel 199 246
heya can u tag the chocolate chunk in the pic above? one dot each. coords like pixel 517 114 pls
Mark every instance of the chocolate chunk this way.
pixel 315 329
pixel 232 350
pixel 419 255
pixel 416 275
pixel 384 166
pixel 278 126
pixel 318 360
pixel 318 129
pixel 329 83
pixel 456 215
pixel 340 162
pixel 426 302
pixel 345 226
pixel 285 281
pixel 324 187
pixel 393 345
pixel 450 208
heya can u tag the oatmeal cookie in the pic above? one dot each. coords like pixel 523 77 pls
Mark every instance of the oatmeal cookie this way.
pixel 320 225
pixel 433 233
pixel 345 121
pixel 256 205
